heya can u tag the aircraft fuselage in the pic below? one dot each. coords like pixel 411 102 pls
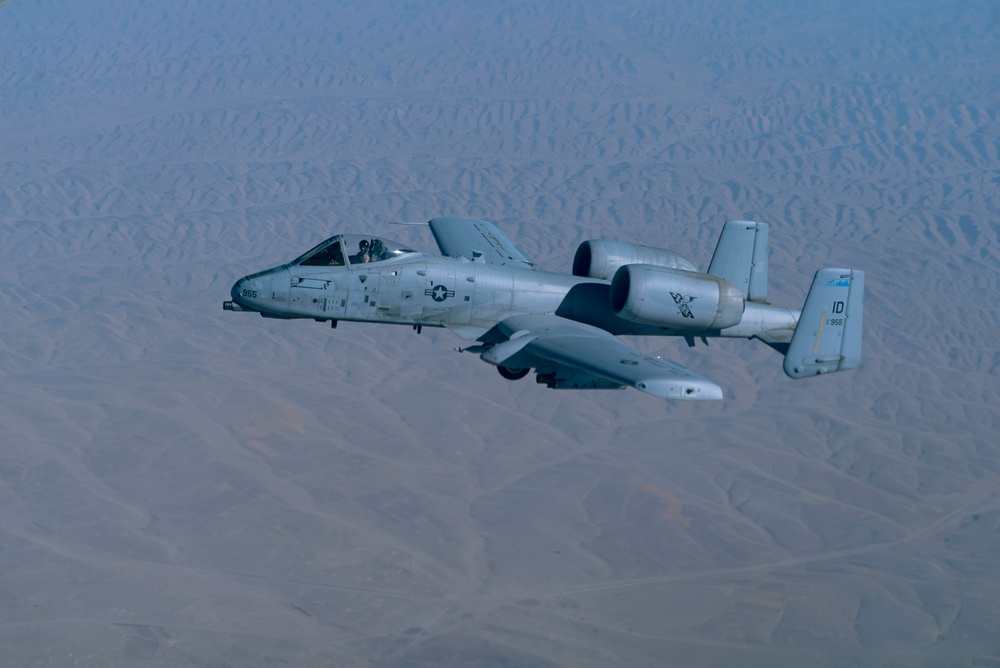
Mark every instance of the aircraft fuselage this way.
pixel 465 296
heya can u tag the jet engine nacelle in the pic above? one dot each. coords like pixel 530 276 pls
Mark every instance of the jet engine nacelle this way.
pixel 601 258
pixel 652 295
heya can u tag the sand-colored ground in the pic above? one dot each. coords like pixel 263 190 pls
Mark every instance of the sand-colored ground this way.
pixel 180 486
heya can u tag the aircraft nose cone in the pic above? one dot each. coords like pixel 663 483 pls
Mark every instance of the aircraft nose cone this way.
pixel 237 287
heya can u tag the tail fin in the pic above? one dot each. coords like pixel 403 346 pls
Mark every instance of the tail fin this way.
pixel 741 258
pixel 827 337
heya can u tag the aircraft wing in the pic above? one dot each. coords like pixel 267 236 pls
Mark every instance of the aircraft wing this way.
pixel 476 240
pixel 589 351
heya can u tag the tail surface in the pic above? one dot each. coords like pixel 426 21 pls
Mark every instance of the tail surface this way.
pixel 827 337
pixel 741 258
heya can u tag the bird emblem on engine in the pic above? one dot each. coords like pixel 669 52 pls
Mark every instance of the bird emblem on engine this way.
pixel 683 303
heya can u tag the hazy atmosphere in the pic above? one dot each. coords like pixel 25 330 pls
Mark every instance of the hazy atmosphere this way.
pixel 183 486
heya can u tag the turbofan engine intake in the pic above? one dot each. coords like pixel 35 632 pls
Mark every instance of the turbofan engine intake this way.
pixel 601 258
pixel 652 295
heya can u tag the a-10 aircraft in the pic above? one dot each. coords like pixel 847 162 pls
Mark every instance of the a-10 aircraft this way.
pixel 564 327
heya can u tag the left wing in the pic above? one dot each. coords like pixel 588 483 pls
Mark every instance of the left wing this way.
pixel 576 352
pixel 476 240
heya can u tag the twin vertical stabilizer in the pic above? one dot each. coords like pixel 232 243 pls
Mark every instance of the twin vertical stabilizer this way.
pixel 741 258
pixel 828 335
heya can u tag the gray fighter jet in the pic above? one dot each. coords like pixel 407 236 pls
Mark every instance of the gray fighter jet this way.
pixel 564 327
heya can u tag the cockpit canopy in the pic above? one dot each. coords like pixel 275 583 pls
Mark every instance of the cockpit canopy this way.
pixel 345 249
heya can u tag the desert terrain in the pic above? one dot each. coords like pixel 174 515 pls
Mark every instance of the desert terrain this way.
pixel 183 486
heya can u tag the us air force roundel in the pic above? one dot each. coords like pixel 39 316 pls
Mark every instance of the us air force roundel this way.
pixel 439 293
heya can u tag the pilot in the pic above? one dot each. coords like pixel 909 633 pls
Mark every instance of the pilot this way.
pixel 362 255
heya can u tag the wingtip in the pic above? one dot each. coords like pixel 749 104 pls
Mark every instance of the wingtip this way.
pixel 688 390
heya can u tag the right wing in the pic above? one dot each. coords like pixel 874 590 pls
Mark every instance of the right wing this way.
pixel 570 354
pixel 476 240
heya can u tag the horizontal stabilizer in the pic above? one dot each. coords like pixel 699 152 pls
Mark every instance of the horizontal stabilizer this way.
pixel 827 337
